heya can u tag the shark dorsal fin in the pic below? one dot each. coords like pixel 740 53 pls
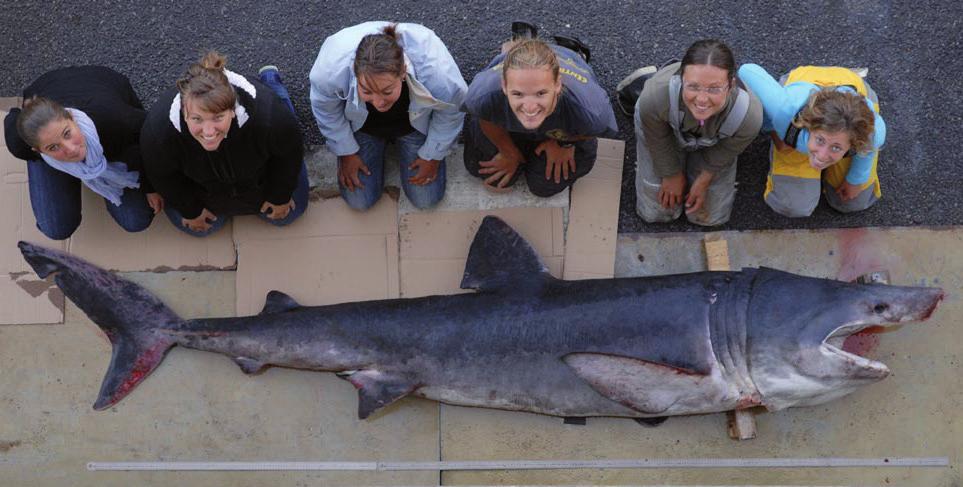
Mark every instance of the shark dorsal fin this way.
pixel 278 302
pixel 500 258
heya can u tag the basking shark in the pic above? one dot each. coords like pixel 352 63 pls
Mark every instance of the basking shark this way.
pixel 643 347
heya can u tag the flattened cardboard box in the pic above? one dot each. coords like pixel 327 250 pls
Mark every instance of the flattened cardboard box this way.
pixel 434 245
pixel 159 248
pixel 594 216
pixel 17 306
pixel 324 218
pixel 332 254
pixel 6 103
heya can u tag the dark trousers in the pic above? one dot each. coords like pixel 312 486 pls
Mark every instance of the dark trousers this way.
pixel 478 149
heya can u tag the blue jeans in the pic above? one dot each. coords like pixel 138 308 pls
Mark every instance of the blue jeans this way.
pixel 55 198
pixel 372 153
pixel 272 79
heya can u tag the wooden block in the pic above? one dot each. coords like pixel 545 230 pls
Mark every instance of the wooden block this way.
pixel 717 255
pixel 741 424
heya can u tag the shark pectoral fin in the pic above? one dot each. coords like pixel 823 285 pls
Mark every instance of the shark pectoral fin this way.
pixel 499 258
pixel 377 389
pixel 249 366
pixel 646 387
pixel 278 302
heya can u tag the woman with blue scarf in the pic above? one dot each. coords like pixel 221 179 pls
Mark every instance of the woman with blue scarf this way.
pixel 82 125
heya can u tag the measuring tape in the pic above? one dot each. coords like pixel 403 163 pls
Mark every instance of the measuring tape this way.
pixel 829 462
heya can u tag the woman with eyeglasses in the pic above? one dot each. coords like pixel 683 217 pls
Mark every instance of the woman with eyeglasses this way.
pixel 81 125
pixel 826 134
pixel 692 120
pixel 219 144
pixel 537 110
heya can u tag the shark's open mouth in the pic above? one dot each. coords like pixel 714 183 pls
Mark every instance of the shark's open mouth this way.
pixel 854 341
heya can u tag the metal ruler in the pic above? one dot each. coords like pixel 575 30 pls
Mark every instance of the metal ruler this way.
pixel 827 462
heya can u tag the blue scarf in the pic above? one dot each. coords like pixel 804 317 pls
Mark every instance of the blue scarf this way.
pixel 107 179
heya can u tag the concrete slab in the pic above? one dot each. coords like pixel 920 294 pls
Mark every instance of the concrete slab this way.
pixel 196 406
pixel 913 413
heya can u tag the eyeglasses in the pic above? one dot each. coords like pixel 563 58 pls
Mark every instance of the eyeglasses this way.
pixel 712 90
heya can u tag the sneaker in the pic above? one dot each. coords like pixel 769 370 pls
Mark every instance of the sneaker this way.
pixel 523 30
pixel 630 88
pixel 861 72
pixel 269 67
pixel 574 44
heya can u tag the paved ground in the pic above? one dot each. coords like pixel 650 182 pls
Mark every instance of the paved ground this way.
pixel 911 49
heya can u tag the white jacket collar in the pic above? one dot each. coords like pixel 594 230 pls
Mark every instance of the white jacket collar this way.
pixel 240 112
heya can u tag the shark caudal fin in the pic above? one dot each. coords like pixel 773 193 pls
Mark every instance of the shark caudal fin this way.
pixel 500 259
pixel 128 314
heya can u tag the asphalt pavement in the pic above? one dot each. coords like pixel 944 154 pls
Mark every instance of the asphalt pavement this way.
pixel 912 50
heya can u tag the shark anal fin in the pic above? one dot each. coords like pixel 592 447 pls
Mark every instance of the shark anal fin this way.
pixel 500 259
pixel 647 387
pixel 278 302
pixel 249 366
pixel 377 389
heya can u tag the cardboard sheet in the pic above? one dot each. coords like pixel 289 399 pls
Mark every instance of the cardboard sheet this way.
pixel 331 254
pixel 594 216
pixel 434 245
pixel 159 248
pixel 17 223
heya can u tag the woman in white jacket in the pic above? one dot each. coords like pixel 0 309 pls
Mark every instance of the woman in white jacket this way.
pixel 377 82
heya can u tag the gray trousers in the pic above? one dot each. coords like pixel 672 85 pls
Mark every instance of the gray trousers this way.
pixel 719 196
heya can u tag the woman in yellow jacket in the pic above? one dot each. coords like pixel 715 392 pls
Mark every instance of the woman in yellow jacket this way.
pixel 826 131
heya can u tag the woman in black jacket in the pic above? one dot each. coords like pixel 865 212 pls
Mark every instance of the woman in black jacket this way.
pixel 219 145
pixel 82 124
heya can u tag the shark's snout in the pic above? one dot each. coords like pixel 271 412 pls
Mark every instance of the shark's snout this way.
pixel 934 299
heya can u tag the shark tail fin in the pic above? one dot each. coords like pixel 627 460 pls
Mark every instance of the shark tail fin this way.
pixel 128 314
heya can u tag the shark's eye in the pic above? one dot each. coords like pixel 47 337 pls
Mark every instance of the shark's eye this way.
pixel 880 308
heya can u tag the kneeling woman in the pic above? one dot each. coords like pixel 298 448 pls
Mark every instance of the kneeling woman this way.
pixel 219 145
pixel 826 131
pixel 82 125
pixel 692 120
pixel 378 82
pixel 537 109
